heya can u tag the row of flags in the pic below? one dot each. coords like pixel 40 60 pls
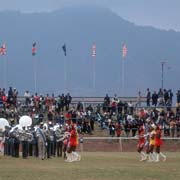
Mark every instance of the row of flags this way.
pixel 34 50
pixel 124 50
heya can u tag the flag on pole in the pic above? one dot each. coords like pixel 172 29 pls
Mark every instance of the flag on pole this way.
pixel 124 50
pixel 93 50
pixel 3 49
pixel 64 49
pixel 34 49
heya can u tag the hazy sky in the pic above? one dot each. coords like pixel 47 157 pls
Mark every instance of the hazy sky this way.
pixel 164 14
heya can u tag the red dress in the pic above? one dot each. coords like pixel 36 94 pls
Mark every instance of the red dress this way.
pixel 158 140
pixel 141 141
pixel 73 138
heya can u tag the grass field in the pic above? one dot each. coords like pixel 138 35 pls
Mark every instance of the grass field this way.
pixel 93 166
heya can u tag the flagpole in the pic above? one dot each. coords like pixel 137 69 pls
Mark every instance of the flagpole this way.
pixel 123 76
pixel 4 73
pixel 4 64
pixel 162 74
pixel 65 67
pixel 94 73
pixel 35 75
pixel 94 66
pixel 34 66
pixel 65 74
pixel 124 54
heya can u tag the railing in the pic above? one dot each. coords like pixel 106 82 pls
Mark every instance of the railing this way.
pixel 123 144
pixel 96 99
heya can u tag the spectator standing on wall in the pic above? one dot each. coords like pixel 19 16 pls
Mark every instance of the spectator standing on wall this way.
pixel 10 96
pixel 160 98
pixel 68 100
pixel 170 96
pixel 166 97
pixel 106 103
pixel 148 97
pixel 178 98
pixel 139 99
pixel 27 98
pixel 154 99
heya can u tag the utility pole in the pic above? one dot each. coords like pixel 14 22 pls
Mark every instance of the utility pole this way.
pixel 162 74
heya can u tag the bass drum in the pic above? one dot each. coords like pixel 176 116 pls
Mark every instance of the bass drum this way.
pixel 3 123
pixel 25 121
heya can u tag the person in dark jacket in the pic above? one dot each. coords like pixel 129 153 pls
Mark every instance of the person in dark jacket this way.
pixel 154 99
pixel 178 98
pixel 148 97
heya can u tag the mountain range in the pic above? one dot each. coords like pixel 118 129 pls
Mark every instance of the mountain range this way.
pixel 79 28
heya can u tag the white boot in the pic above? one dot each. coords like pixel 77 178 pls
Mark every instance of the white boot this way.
pixel 69 157
pixel 154 156
pixel 143 156
pixel 149 158
pixel 164 157
pixel 157 157
pixel 77 157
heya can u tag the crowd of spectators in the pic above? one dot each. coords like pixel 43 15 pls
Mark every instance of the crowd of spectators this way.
pixel 45 109
pixel 124 118
pixel 160 98
pixel 114 116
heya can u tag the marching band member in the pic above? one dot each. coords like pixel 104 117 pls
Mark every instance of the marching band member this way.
pixel 33 148
pixel 15 135
pixel 6 141
pixel 48 141
pixel 59 140
pixel 52 140
pixel 41 141
pixel 1 141
pixel 24 142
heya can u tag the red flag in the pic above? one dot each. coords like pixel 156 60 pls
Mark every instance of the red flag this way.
pixel 124 50
pixel 34 49
pixel 3 49
pixel 93 50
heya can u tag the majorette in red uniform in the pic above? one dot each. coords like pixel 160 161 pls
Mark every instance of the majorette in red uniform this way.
pixel 158 140
pixel 73 138
pixel 72 155
pixel 141 142
pixel 158 143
